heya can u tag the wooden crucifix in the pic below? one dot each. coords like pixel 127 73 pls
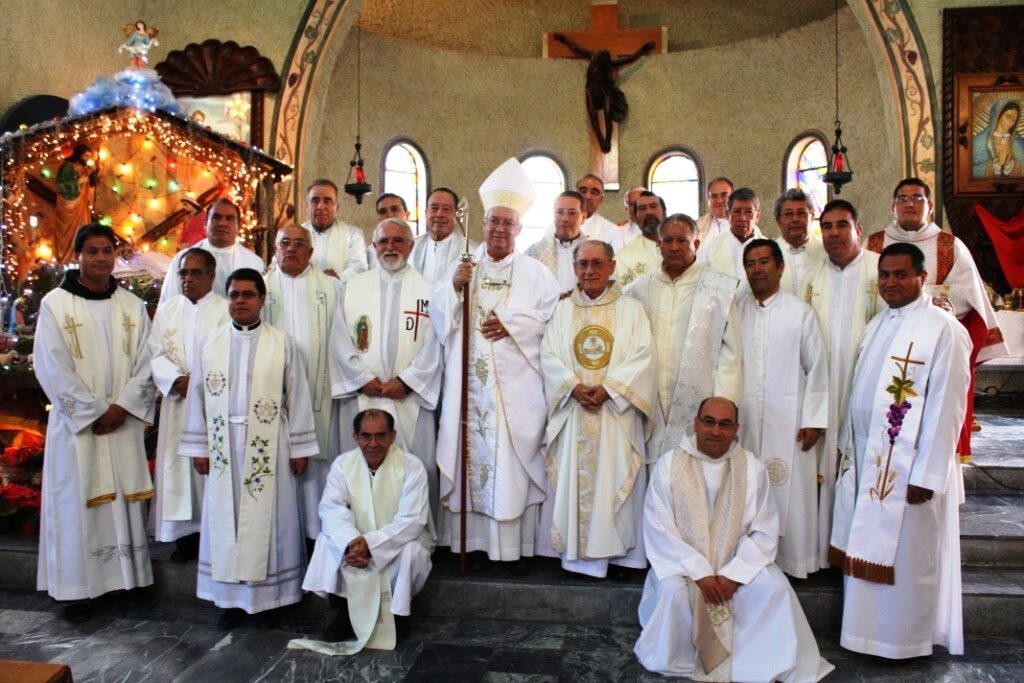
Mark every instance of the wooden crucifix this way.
pixel 609 48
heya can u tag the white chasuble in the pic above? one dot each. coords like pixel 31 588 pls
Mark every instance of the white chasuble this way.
pixel 785 389
pixel 637 259
pixel 506 400
pixel 105 361
pixel 844 301
pixel 725 254
pixel 799 261
pixel 228 260
pixel 556 256
pixel 594 457
pixel 706 517
pixel 241 547
pixel 902 560
pixel 304 308
pixel 178 327
pixel 88 354
pixel 691 317
pixel 341 248
pixel 432 258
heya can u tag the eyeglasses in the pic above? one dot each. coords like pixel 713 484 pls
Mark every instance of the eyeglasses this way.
pixel 288 243
pixel 710 423
pixel 571 213
pixel 583 264
pixel 506 223
pixel 384 241
pixel 904 198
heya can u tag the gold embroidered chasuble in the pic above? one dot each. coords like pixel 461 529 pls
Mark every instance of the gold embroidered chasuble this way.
pixel 594 456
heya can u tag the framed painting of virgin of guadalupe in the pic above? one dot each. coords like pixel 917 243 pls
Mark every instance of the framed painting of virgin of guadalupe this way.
pixel 989 151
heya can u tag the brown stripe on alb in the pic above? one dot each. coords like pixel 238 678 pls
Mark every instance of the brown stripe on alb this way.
pixel 862 569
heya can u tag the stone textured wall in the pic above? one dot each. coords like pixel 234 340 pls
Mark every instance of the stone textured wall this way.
pixel 737 106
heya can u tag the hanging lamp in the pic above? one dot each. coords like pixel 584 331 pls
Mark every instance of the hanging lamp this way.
pixel 357 186
pixel 839 172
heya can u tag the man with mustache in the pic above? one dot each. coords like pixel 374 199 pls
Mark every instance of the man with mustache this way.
pixel 800 249
pixel 641 256
pixel 724 253
pixel 843 291
pixel 385 353
pixel 301 301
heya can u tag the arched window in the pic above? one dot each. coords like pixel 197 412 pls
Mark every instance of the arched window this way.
pixel 405 174
pixel 549 180
pixel 675 176
pixel 805 167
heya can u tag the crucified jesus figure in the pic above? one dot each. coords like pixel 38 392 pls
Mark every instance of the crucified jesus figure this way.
pixel 606 103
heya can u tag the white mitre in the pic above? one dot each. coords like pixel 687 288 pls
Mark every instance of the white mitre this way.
pixel 508 186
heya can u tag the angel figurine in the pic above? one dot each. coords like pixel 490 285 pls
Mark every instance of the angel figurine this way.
pixel 141 39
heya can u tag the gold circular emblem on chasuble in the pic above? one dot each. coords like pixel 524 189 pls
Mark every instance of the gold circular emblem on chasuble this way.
pixel 778 472
pixel 593 347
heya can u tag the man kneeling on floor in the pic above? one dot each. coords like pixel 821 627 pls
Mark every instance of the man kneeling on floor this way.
pixel 376 539
pixel 715 607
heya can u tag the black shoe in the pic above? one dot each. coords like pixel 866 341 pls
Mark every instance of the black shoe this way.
pixel 339 629
pixel 403 627
pixel 230 618
pixel 310 544
pixel 186 549
pixel 617 573
pixel 78 612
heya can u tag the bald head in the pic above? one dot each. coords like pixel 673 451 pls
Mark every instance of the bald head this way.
pixel 294 249
pixel 715 426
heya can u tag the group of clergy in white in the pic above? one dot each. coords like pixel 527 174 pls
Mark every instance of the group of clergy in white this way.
pixel 574 394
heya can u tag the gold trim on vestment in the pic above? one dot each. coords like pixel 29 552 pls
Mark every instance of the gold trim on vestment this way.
pixel 141 495
pixel 100 500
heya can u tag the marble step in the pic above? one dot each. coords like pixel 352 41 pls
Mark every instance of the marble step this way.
pixel 992 530
pixel 993 597
pixel 993 478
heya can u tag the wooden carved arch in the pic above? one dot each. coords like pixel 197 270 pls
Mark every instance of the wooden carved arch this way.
pixel 214 67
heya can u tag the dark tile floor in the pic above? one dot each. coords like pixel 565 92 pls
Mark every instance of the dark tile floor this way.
pixel 139 638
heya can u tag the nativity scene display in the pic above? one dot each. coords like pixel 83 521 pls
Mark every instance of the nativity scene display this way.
pixel 127 156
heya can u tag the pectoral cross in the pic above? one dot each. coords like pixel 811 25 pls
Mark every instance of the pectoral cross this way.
pixel 414 320
pixel 127 325
pixel 71 327
pixel 604 35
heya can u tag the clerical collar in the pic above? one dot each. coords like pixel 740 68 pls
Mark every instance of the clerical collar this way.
pixel 843 269
pixel 71 283
pixel 566 243
pixel 767 302
pixel 246 328
pixel 797 250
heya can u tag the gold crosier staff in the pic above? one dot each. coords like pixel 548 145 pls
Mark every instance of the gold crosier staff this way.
pixel 462 219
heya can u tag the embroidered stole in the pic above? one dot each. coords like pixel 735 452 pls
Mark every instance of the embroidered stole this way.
pixel 694 381
pixel 321 300
pixel 96 453
pixel 374 504
pixel 871 493
pixel 243 554
pixel 362 307
pixel 176 471
pixel 715 536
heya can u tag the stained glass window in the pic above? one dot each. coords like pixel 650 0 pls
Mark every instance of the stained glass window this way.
pixel 405 174
pixel 806 166
pixel 549 180
pixel 674 176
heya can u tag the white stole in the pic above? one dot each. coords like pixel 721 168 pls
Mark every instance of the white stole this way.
pixel 363 319
pixel 95 453
pixel 335 255
pixel 321 299
pixel 176 472
pixel 243 555
pixel 708 316
pixel 713 529
pixel 870 504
